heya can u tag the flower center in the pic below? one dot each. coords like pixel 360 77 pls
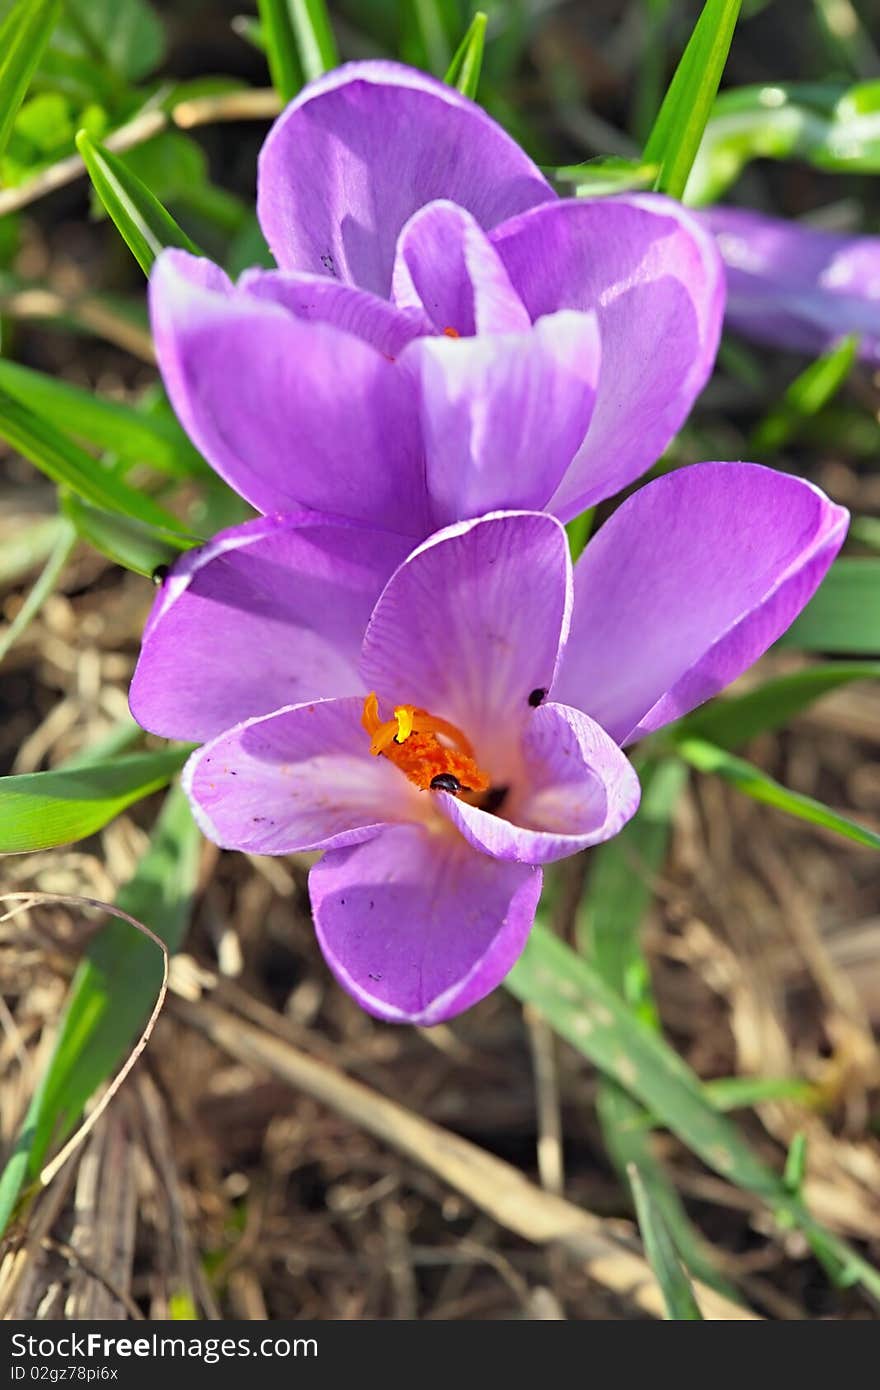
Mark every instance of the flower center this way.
pixel 431 752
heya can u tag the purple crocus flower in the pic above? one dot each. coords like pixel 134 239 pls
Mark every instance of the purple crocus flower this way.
pixel 444 742
pixel 794 286
pixel 444 335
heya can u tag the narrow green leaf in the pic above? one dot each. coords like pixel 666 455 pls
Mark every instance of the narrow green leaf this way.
pixel 41 590
pixel 279 42
pixel 298 38
pixel 742 1092
pixel 598 178
pixel 23 36
pixel 39 810
pixel 121 429
pixel 796 1164
pixel 626 1134
pixel 131 544
pixel 69 466
pixel 678 129
pixel 608 930
pixel 732 720
pixel 467 62
pixel 681 1306
pixel 143 223
pixel 705 757
pixel 430 25
pixel 805 397
pixel 620 887
pixel 579 531
pixel 112 993
pixel 844 615
pixel 29 547
pixel 589 1014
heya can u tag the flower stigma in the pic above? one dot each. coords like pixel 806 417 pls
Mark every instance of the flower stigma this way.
pixel 432 753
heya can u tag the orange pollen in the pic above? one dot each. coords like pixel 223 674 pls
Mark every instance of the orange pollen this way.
pixel 423 747
pixel 451 333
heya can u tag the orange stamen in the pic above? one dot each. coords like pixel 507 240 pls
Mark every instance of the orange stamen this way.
pixel 412 741
pixel 451 333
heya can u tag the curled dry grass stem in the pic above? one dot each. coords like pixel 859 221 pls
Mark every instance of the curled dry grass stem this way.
pixel 33 899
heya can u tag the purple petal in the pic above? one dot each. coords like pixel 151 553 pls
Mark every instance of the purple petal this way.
pixel 264 615
pixel 301 778
pixel 471 624
pixel 577 789
pixel 321 300
pixel 686 585
pixel 363 148
pixel 655 281
pixel 418 927
pixel 503 415
pixel 794 286
pixel 290 413
pixel 447 267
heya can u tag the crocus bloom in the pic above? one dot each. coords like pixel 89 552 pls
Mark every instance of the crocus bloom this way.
pixel 442 743
pixel 794 286
pixel 444 335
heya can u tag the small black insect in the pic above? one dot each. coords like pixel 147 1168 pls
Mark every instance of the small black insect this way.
pixel 159 575
pixel 537 697
pixel 445 782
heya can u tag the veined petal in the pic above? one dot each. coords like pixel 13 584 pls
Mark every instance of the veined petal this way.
pixel 447 268
pixel 418 926
pixel 298 779
pixel 576 789
pixel 796 286
pixel 471 623
pixel 690 580
pixel 503 415
pixel 266 614
pixel 655 281
pixel 290 413
pixel 361 149
pixel 318 299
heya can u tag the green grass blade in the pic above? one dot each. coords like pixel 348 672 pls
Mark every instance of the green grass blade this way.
pixel 589 1014
pixel 69 466
pixel 584 1010
pixel 735 719
pixel 279 42
pixel 678 129
pixel 756 784
pixel 681 1306
pixel 742 1092
pixel 41 589
pixel 620 888
pixel 599 178
pixel 313 33
pixel 112 993
pixel 131 544
pixel 121 429
pixel 467 62
pixel 626 1134
pixel 23 36
pixel 608 930
pixel 844 615
pixel 805 397
pixel 144 225
pixel 40 810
